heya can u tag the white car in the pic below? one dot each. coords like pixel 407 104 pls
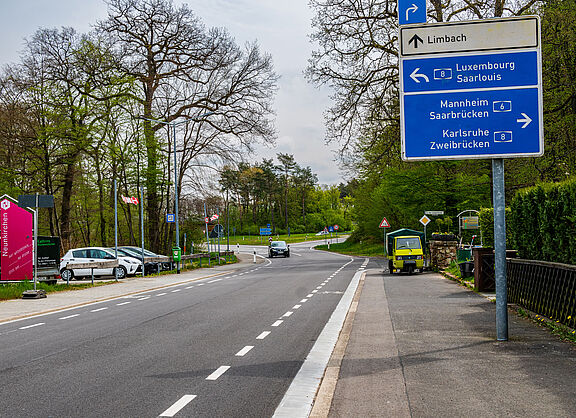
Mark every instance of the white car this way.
pixel 127 265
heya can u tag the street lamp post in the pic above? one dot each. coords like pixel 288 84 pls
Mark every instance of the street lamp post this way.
pixel 173 124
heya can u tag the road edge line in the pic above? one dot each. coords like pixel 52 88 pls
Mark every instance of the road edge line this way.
pixel 298 399
pixel 323 401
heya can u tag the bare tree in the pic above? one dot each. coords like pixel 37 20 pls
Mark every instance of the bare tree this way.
pixel 183 70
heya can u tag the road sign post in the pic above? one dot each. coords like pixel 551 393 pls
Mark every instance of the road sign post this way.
pixel 474 90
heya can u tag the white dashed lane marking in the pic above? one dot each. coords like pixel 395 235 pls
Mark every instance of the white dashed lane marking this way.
pixel 287 314
pixel 33 325
pixel 99 309
pixel 296 306
pixel 219 372
pixel 263 335
pixel 277 323
pixel 70 316
pixel 244 351
pixel 178 405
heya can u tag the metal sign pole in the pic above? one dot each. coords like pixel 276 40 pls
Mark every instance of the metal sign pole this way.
pixel 36 243
pixel 207 237
pixel 115 232
pixel 500 249
pixel 142 225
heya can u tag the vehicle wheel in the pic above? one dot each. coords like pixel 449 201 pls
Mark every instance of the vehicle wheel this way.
pixel 287 255
pixel 410 270
pixel 390 266
pixel 121 272
pixel 66 274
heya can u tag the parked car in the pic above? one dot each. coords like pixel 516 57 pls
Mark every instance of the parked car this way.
pixel 150 267
pixel 323 232
pixel 166 265
pixel 278 248
pixel 127 265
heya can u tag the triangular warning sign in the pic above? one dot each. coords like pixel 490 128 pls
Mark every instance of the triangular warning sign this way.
pixel 384 224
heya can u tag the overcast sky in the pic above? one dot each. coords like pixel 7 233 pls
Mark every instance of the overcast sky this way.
pixel 281 27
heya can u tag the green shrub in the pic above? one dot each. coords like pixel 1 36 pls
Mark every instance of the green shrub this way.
pixel 543 219
pixel 486 220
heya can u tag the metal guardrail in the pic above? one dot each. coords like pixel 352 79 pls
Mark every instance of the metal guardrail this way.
pixel 546 288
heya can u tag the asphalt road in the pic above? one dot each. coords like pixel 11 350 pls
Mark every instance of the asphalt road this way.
pixel 220 347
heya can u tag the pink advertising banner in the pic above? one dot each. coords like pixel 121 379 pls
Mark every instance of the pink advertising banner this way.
pixel 16 242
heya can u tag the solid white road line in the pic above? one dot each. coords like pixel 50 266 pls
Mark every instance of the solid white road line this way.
pixel 70 316
pixel 33 325
pixel 297 401
pixel 287 314
pixel 123 303
pixel 263 335
pixel 244 351
pixel 181 403
pixel 219 372
pixel 98 310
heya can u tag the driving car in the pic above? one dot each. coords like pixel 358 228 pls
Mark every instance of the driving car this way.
pixel 277 248
pixel 127 265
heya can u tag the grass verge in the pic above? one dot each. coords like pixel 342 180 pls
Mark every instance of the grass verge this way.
pixel 15 290
pixel 360 249
pixel 555 327
pixel 263 240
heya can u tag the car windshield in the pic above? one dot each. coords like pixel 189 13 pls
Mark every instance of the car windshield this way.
pixel 137 250
pixel 129 252
pixel 412 243
pixel 278 244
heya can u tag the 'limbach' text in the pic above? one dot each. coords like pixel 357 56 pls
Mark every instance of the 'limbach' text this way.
pixel 446 39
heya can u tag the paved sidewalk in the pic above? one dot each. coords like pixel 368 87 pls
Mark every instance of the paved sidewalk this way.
pixel 423 346
pixel 22 308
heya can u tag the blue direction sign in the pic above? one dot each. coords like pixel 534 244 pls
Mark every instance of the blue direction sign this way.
pixel 472 123
pixel 471 104
pixel 411 11
pixel 482 71
pixel 265 231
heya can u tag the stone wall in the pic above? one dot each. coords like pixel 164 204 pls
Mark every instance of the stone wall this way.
pixel 442 253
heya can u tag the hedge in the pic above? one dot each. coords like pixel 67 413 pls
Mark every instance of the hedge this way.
pixel 486 221
pixel 543 220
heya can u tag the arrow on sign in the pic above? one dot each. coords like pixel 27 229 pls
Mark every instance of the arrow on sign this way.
pixel 411 9
pixel 415 39
pixel 526 120
pixel 414 76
